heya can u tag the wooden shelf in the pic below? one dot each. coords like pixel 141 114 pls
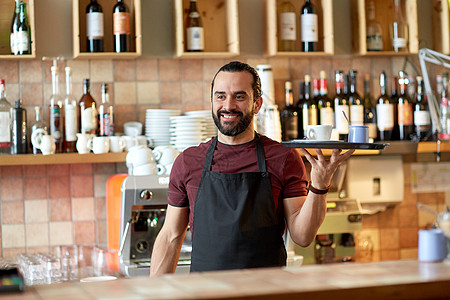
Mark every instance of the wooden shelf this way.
pixel 61 158
pixel 326 31
pixel 6 13
pixel 79 30
pixel 221 28
pixel 441 26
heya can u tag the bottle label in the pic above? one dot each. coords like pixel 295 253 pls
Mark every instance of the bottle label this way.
pixel 21 40
pixel 121 23
pixel 312 113
pixel 106 125
pixel 405 114
pixel 288 28
pixel 291 128
pixel 372 130
pixel 357 115
pixel 88 120
pixel 398 42
pixel 5 134
pixel 94 25
pixel 422 118
pixel 341 122
pixel 195 38
pixel 70 119
pixel 374 43
pixel 326 116
pixel 385 116
pixel 310 30
pixel 55 122
pixel 13 43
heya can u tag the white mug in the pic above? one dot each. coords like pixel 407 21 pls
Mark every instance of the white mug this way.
pixel 117 144
pixel 99 144
pixel 139 155
pixel 165 155
pixel 143 140
pixel 45 143
pixel 130 142
pixel 145 169
pixel 319 132
pixel 82 140
pixel 132 128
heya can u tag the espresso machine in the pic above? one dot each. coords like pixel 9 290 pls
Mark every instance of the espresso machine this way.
pixel 143 211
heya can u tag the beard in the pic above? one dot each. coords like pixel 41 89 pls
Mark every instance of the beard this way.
pixel 227 127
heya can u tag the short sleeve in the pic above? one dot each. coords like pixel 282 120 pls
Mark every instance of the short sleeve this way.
pixel 177 185
pixel 294 173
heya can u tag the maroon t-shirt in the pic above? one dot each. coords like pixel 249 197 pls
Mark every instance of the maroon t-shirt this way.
pixel 285 166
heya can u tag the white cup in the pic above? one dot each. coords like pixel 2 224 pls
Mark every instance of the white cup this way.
pixel 143 140
pixel 145 169
pixel 99 144
pixel 139 155
pixel 132 128
pixel 130 142
pixel 319 132
pixel 117 144
pixel 82 139
pixel 165 155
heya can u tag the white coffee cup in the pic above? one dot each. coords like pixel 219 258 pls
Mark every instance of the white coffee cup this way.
pixel 139 155
pixel 165 155
pixel 132 128
pixel 145 169
pixel 99 144
pixel 117 144
pixel 143 140
pixel 81 145
pixel 130 142
pixel 319 132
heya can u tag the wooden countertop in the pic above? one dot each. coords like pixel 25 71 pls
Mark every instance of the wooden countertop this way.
pixel 407 279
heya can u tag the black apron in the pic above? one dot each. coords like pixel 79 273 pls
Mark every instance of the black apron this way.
pixel 235 224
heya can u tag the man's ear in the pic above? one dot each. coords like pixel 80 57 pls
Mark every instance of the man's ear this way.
pixel 258 103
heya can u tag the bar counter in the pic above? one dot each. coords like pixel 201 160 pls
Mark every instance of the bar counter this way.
pixel 403 279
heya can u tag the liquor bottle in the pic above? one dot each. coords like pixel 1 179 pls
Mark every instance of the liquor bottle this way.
pixel 399 29
pixel 121 27
pixel 14 28
pixel 310 27
pixel 370 119
pixel 5 120
pixel 308 108
pixel 106 114
pixel 20 34
pixel 19 139
pixel 94 27
pixel 38 127
pixel 299 106
pixel 444 133
pixel 374 33
pixel 287 27
pixel 422 120
pixel 70 115
pixel 356 104
pixel 326 112
pixel 341 107
pixel 394 100
pixel 385 112
pixel 404 109
pixel 87 110
pixel 346 92
pixel 55 112
pixel 289 115
pixel 194 29
pixel 316 87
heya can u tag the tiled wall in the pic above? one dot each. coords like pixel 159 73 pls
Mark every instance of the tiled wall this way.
pixel 49 205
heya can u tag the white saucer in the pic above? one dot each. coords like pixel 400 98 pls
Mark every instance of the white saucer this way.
pixel 98 278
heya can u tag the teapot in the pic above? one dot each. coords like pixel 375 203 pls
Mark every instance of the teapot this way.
pixel 44 142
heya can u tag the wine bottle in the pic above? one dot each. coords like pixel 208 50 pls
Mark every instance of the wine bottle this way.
pixel 194 29
pixel 38 127
pixel 15 28
pixel 55 112
pixel 310 27
pixel 106 114
pixel 356 104
pixel 385 112
pixel 369 110
pixel 20 34
pixel 289 115
pixel 19 139
pixel 422 120
pixel 287 27
pixel 94 27
pixel 5 120
pixel 374 33
pixel 404 109
pixel 326 112
pixel 70 115
pixel 394 100
pixel 87 110
pixel 301 101
pixel 121 27
pixel 341 107
pixel 308 108
pixel 444 133
pixel 399 29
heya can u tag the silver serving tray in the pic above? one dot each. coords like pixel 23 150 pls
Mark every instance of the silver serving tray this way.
pixel 333 145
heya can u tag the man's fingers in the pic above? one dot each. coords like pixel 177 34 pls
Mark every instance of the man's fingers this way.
pixel 308 155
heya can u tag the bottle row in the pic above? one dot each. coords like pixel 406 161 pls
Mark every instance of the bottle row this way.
pixel 402 115
pixel 66 118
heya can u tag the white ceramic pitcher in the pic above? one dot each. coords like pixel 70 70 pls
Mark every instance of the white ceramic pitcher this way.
pixel 46 143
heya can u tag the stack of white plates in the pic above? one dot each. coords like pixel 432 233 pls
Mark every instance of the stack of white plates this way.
pixel 211 129
pixel 187 131
pixel 157 124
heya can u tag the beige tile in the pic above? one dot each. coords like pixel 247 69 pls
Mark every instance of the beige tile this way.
pixel 36 187
pixel 13 236
pixel 124 93
pixel 12 92
pixel 12 212
pixel 124 70
pixel 409 253
pixel 147 69
pixel 192 92
pixel 426 219
pixel 102 70
pixel 100 208
pixel 148 92
pixel 191 69
pixel 61 233
pixel 408 237
pixel 37 234
pixel 11 253
pixel 102 236
pixel 10 71
pixel 210 68
pixel 80 70
pixel 389 239
pixel 11 188
pixel 60 210
pixel 83 209
pixel 280 68
pixel 100 184
pixel 169 70
pixel 84 232
pixel 36 211
pixel 170 92
pixel 30 71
